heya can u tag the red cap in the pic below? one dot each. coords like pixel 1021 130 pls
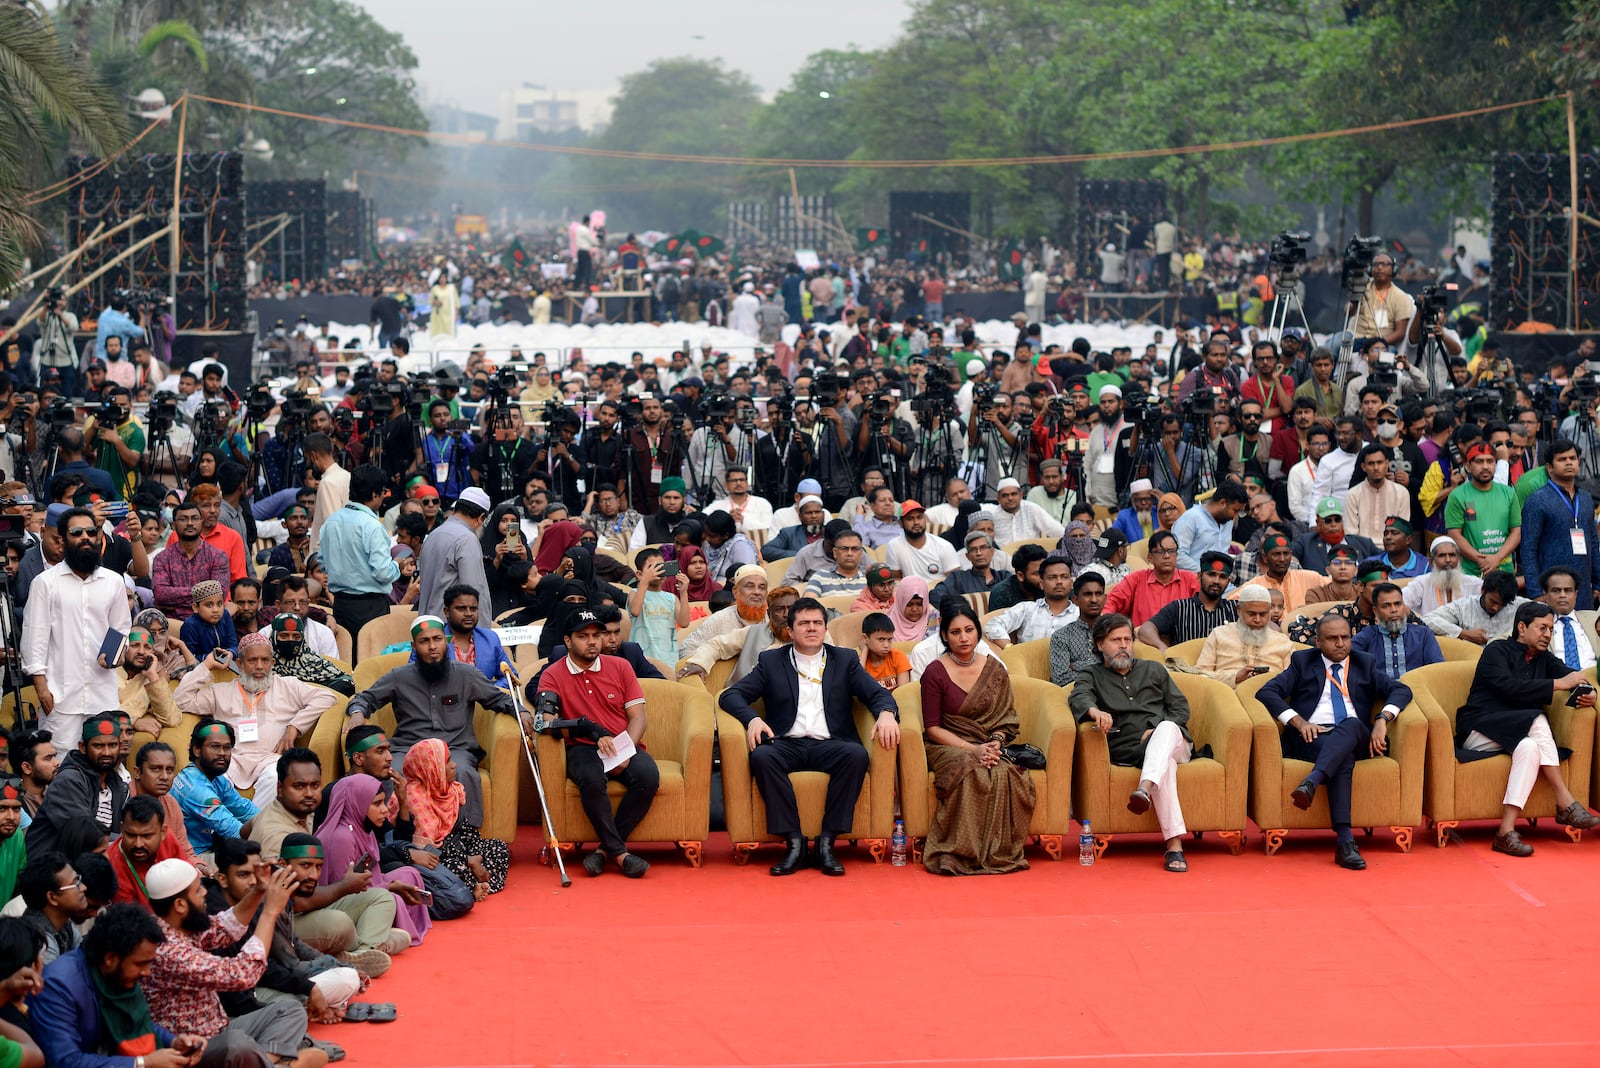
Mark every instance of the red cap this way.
pixel 424 491
pixel 908 506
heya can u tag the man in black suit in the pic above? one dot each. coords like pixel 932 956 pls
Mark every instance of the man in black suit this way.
pixel 809 726
pixel 1323 700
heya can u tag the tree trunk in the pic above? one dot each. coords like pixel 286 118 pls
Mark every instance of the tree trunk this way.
pixel 1364 210
pixel 1202 202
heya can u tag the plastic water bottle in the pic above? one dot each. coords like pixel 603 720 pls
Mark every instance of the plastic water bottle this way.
pixel 897 848
pixel 1086 846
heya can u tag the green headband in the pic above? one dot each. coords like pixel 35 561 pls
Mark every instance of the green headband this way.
pixel 361 745
pixel 303 851
pixel 427 623
pixel 102 726
pixel 139 634
pixel 215 727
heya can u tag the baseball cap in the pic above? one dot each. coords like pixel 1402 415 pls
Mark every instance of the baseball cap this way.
pixel 909 506
pixel 1329 506
pixel 1109 541
pixel 578 620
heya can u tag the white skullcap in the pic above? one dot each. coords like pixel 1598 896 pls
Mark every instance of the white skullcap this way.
pixel 749 571
pixel 1115 391
pixel 1442 539
pixel 1141 485
pixel 1255 595
pixel 974 366
pixel 1008 483
pixel 807 499
pixel 169 878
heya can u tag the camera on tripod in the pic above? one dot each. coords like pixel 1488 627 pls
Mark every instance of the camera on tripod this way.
pixel 1433 301
pixel 55 299
pixel 259 402
pixel 1202 404
pixel 983 397
pixel 163 411
pixel 1358 256
pixel 59 413
pixel 826 389
pixel 1384 374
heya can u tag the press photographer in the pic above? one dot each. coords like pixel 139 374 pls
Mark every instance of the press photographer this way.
pixel 783 455
pixel 504 458
pixel 54 349
pixel 995 439
pixel 1108 463
pixel 717 445
pixel 556 458
pixel 118 452
pixel 446 451
pixel 1381 367
pixel 882 440
pixel 830 425
pixel 655 452
pixel 1385 310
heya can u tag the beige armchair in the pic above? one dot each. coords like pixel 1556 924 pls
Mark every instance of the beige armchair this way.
pixel 1045 722
pixel 1386 791
pixel 678 736
pixel 1475 790
pixel 1212 791
pixel 746 813
pixel 1030 659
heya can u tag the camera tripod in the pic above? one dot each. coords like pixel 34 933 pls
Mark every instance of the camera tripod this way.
pixel 26 715
pixel 1287 305
pixel 159 448
pixel 942 452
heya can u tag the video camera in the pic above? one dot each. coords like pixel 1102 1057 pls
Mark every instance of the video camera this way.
pixel 55 299
pixel 826 389
pixel 1433 301
pixel 1357 269
pixel 1201 404
pixel 1384 374
pixel 259 402
pixel 59 413
pixel 163 412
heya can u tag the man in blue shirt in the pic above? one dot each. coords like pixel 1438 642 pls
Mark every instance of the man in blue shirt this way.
pixel 1395 642
pixel 355 551
pixel 115 322
pixel 1209 527
pixel 1403 561
pixel 210 805
pixel 1558 527
pixel 470 643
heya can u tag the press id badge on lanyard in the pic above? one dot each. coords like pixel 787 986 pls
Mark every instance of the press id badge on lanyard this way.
pixel 1579 544
pixel 249 726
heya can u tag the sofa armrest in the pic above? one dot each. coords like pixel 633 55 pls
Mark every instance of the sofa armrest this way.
pixel 1266 757
pixel 1408 745
pixel 1049 727
pixel 737 809
pixel 501 738
pixel 696 739
pixel 1091 775
pixel 913 763
pixel 881 774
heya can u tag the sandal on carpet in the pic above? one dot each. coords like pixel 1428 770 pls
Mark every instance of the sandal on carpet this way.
pixel 1176 861
pixel 371 1012
pixel 335 1053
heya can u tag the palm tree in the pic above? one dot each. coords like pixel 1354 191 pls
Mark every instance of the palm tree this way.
pixel 41 91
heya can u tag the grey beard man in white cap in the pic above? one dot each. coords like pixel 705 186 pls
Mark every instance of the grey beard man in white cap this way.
pixel 1016 519
pixel 1237 651
pixel 1444 581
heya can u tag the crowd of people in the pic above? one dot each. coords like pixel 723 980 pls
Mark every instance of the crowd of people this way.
pixel 659 517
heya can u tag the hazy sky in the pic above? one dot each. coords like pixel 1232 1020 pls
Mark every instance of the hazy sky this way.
pixel 472 50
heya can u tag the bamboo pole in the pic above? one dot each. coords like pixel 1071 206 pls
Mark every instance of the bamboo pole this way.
pixel 1572 237
pixel 118 258
pixel 177 193
pixel 94 239
pixel 283 221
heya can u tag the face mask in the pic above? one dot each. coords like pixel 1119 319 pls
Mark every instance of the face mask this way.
pixel 1388 431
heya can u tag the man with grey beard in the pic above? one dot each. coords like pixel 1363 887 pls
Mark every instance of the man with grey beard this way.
pixel 1396 643
pixel 1444 582
pixel 268 713
pixel 1143 715
pixel 1238 651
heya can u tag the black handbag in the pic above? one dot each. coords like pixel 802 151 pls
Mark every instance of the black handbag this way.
pixel 1023 755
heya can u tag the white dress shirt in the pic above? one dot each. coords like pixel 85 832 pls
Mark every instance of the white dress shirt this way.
pixel 1558 642
pixel 1302 499
pixel 755 514
pixel 1333 476
pixel 931 648
pixel 1322 715
pixel 1030 620
pixel 810 718
pixel 1028 521
pixel 62 631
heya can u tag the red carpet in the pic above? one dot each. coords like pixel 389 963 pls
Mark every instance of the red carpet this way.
pixel 1444 957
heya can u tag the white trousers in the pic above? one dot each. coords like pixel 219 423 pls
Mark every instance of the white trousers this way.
pixel 1166 749
pixel 1537 750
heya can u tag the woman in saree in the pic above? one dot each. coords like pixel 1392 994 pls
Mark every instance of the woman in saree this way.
pixel 358 807
pixel 985 804
pixel 434 799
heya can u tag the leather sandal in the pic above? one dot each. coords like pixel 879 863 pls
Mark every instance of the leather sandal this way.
pixel 1575 815
pixel 1176 861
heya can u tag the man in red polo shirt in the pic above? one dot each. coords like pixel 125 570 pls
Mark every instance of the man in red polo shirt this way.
pixel 1144 593
pixel 605 690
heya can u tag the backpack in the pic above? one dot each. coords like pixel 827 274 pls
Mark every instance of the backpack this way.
pixel 670 291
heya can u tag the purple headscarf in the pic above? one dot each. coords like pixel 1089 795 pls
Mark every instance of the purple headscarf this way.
pixel 346 840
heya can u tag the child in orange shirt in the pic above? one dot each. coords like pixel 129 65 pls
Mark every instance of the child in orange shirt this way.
pixel 882 660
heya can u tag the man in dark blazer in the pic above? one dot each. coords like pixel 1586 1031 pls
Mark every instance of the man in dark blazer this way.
pixel 1324 699
pixel 808 725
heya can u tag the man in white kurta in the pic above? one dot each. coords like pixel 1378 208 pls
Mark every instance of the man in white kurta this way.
pixel 71 608
pixel 268 713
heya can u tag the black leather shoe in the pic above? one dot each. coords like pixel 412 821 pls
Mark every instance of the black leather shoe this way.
pixel 793 860
pixel 1346 855
pixel 1139 801
pixel 1304 794
pixel 826 861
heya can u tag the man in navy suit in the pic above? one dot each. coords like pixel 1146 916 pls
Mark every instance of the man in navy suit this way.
pixel 808 725
pixel 1323 700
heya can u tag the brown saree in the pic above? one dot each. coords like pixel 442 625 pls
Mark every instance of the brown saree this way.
pixel 982 815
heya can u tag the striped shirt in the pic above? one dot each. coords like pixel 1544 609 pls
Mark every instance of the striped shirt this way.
pixel 830 582
pixel 1185 620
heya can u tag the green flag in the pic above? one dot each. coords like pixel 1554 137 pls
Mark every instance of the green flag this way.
pixel 377 255
pixel 668 246
pixel 872 237
pixel 708 244
pixel 515 257
pixel 1011 261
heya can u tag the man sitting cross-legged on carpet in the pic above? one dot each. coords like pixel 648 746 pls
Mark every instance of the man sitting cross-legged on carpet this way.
pixel 1516 677
pixel 1145 719
pixel 1323 701
pixel 808 725
pixel 604 690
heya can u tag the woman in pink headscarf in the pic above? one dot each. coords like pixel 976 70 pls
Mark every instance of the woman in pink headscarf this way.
pixel 911 615
pixel 358 807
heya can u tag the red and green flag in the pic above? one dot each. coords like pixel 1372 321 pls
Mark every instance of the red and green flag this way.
pixel 869 238
pixel 515 257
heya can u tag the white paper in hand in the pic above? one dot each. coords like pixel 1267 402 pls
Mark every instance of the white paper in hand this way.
pixel 623 749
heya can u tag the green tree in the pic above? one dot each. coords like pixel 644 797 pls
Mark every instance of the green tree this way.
pixel 683 107
pixel 41 90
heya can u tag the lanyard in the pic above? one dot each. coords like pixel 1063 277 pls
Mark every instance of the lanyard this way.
pixel 139 882
pixel 1340 684
pixel 251 699
pixel 1573 501
pixel 1266 394
pixel 809 678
